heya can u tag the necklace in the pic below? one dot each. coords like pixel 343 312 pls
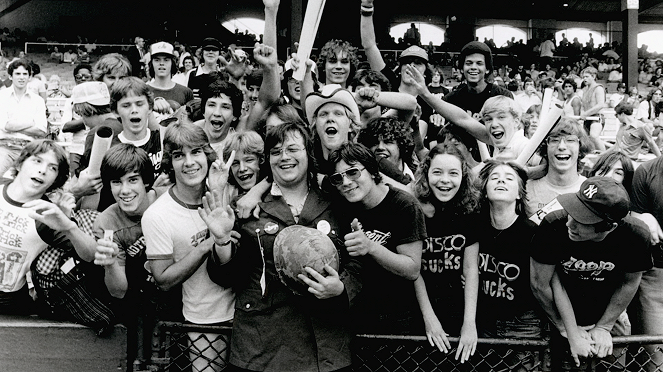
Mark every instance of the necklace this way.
pixel 506 227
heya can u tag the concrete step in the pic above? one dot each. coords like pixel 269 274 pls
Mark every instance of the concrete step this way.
pixel 31 344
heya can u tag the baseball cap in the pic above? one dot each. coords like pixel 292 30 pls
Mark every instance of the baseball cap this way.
pixel 162 48
pixel 414 51
pixel 330 93
pixel 477 47
pixel 599 199
pixel 92 92
pixel 211 43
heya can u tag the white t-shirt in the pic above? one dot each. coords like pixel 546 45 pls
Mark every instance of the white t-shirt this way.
pixel 172 230
pixel 540 192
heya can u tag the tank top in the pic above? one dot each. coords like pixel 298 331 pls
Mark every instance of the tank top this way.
pixel 568 108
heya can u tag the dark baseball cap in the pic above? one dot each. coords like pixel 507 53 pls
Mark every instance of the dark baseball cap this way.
pixel 599 199
pixel 211 43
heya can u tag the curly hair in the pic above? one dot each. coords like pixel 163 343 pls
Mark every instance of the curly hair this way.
pixel 329 50
pixel 484 176
pixel 466 199
pixel 388 129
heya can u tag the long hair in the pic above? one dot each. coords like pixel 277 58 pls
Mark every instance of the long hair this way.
pixel 466 199
pixel 41 146
pixel 607 160
pixel 484 175
pixel 179 135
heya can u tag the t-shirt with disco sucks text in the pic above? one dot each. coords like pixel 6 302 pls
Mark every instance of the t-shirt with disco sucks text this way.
pixel 396 220
pixel 442 265
pixel 504 280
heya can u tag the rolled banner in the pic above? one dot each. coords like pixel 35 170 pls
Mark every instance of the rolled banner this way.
pixel 101 144
pixel 547 123
pixel 306 38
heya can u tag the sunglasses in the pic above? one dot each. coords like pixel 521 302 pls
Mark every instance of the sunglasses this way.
pixel 352 174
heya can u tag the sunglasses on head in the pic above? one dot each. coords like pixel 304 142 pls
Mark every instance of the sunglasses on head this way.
pixel 352 174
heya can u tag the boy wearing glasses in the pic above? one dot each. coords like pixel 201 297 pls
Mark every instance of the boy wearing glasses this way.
pixel 563 149
pixel 388 230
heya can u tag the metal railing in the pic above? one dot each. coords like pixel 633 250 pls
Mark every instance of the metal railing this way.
pixel 194 348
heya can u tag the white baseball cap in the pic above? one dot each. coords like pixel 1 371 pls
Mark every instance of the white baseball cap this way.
pixel 162 47
pixel 92 92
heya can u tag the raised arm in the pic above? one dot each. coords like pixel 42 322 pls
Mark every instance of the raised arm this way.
pixel 452 113
pixel 270 89
pixel 271 11
pixel 368 40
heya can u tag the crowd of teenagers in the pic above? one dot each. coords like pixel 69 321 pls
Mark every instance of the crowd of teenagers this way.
pixel 440 229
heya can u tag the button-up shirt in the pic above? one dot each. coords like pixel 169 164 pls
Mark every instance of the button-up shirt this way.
pixel 29 106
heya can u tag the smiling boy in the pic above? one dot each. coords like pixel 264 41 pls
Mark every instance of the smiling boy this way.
pixel 178 240
pixel 22 114
pixel 31 222
pixel 163 65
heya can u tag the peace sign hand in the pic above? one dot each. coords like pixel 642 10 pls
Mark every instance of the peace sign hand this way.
pixel 219 173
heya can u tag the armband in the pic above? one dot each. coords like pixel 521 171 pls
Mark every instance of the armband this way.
pixel 367 11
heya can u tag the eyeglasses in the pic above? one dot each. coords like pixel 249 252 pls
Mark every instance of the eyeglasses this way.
pixel 570 139
pixel 352 174
pixel 290 150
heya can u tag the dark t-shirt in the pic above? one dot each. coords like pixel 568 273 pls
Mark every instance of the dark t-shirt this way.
pixel 472 103
pixel 154 152
pixel 592 271
pixel 178 93
pixel 397 220
pixel 504 281
pixel 198 82
pixel 647 193
pixel 442 265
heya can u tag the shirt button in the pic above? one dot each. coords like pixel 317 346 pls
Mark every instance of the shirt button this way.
pixel 248 306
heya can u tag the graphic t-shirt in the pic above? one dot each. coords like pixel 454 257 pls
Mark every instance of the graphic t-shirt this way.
pixel 541 192
pixel 397 220
pixel 178 93
pixel 442 265
pixel 504 282
pixel 21 240
pixel 173 229
pixel 128 235
pixel 591 271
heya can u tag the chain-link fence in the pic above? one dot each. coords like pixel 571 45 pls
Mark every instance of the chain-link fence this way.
pixel 185 347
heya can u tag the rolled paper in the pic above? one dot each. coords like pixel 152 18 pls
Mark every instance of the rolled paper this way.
pixel 309 30
pixel 483 151
pixel 101 144
pixel 545 103
pixel 547 123
pixel 594 118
